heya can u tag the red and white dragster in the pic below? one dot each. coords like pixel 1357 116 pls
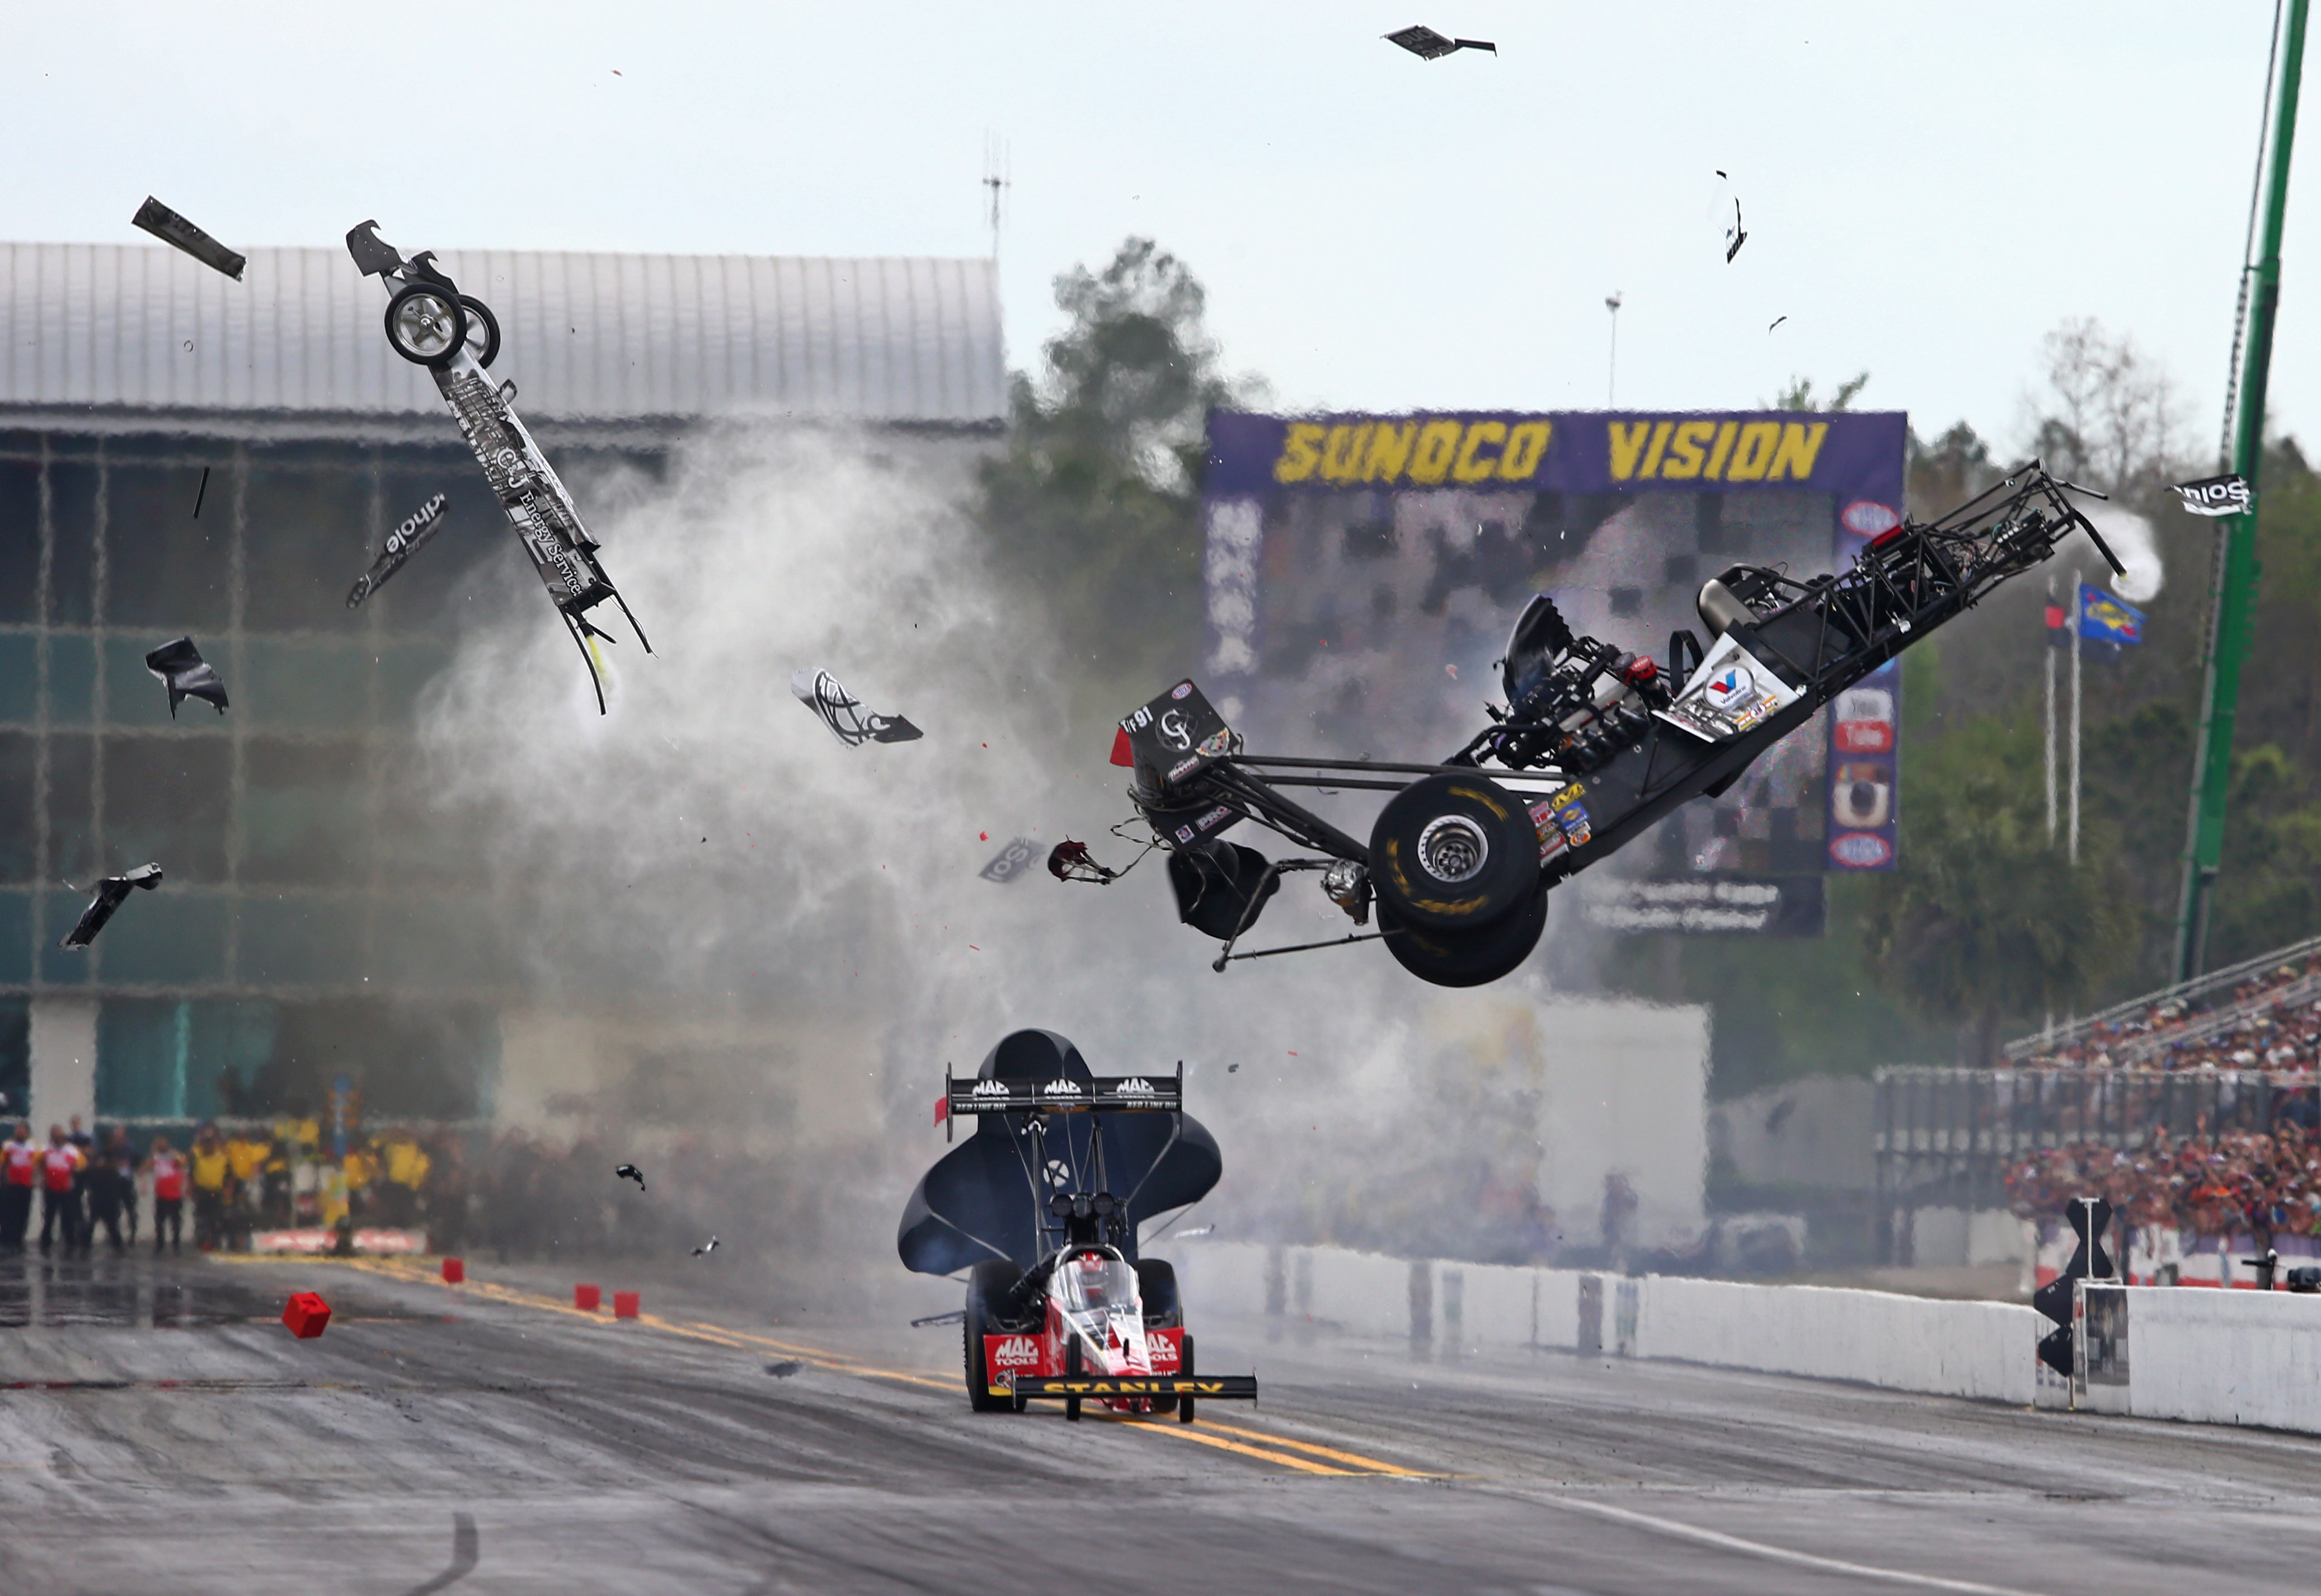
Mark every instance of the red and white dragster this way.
pixel 1094 1339
pixel 1059 1304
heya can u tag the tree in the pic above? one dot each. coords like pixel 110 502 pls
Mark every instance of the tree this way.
pixel 1984 919
pixel 1095 500
pixel 1799 394
pixel 2109 417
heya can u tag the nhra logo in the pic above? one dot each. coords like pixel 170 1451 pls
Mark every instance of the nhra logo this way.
pixel 1869 517
pixel 990 1088
pixel 1860 850
pixel 1062 1089
pixel 1012 1351
pixel 1136 1086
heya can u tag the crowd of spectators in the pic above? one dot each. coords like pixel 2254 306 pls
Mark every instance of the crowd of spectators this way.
pixel 2265 1184
pixel 2279 1031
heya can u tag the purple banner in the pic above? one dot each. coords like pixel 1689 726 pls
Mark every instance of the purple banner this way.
pixel 1856 457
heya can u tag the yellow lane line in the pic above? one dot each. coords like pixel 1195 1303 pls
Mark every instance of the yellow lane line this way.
pixel 1187 1433
pixel 1273 1439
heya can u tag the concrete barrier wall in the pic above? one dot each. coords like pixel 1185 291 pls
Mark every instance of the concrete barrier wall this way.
pixel 2225 1357
pixel 1961 1349
pixel 1966 1349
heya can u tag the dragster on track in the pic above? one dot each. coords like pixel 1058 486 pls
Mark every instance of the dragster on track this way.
pixel 1593 745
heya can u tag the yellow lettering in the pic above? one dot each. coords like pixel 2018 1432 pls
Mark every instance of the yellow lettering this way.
pixel 1800 447
pixel 1341 456
pixel 1660 430
pixel 1438 442
pixel 1627 442
pixel 1389 450
pixel 1526 446
pixel 1470 469
pixel 1724 447
pixel 1299 454
pixel 1758 440
pixel 1684 450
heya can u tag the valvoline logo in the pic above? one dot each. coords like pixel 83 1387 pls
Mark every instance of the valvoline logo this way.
pixel 1869 517
pixel 1732 685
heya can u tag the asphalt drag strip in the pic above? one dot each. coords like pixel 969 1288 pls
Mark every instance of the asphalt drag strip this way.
pixel 490 1438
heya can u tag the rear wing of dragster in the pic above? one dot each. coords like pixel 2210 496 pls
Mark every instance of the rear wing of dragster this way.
pixel 1101 1094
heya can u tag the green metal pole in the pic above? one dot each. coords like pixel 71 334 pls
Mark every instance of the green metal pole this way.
pixel 2237 577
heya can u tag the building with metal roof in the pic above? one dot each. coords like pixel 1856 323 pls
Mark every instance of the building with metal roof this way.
pixel 124 337
pixel 184 454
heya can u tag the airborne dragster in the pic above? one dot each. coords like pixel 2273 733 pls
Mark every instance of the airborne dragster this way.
pixel 1593 745
pixel 432 323
pixel 1039 1208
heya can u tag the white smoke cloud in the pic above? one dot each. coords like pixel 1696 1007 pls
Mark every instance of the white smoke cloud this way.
pixel 2132 538
pixel 708 847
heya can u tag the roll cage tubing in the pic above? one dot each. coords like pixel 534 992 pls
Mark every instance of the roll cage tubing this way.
pixel 1820 636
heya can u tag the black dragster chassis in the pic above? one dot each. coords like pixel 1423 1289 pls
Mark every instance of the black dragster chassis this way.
pixel 1635 736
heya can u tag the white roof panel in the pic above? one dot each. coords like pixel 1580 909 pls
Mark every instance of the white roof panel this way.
pixel 586 337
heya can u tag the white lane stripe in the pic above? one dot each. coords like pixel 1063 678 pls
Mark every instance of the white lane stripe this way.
pixel 1733 1543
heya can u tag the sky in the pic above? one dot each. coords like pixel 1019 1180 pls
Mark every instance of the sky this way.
pixel 1927 190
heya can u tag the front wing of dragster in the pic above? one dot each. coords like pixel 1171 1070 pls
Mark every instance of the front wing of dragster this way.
pixel 1101 1387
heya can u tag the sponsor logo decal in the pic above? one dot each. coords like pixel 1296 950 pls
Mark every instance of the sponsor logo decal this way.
pixel 1184 834
pixel 1863 850
pixel 1136 1086
pixel 1869 517
pixel 990 1088
pixel 1216 744
pixel 1011 1353
pixel 1213 819
pixel 1062 1089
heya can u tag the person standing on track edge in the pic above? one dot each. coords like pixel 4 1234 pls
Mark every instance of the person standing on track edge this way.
pixel 121 1159
pixel 61 1162
pixel 19 1159
pixel 105 1189
pixel 169 1172
pixel 210 1170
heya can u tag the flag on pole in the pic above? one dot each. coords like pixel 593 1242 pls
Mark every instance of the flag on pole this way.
pixel 2105 619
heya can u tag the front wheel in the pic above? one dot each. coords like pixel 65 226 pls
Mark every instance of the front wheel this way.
pixel 425 325
pixel 483 334
pixel 1185 1371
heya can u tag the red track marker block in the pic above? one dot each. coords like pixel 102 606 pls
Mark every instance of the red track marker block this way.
pixel 455 1271
pixel 624 1304
pixel 306 1316
pixel 587 1298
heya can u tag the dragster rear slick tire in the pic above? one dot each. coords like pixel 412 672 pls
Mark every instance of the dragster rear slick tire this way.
pixel 1185 1371
pixel 1454 853
pixel 987 1283
pixel 1467 958
pixel 1072 1366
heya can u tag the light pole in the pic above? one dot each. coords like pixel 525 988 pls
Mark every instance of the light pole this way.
pixel 1612 372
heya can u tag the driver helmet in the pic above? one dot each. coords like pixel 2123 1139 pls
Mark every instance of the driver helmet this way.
pixel 1095 1280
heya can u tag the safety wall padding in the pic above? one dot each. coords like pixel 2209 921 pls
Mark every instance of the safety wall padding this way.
pixel 2225 1357
pixel 1918 1344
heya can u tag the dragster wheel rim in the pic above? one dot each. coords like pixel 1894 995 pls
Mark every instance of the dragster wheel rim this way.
pixel 1453 849
pixel 423 324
